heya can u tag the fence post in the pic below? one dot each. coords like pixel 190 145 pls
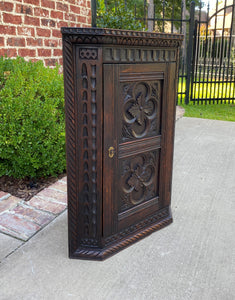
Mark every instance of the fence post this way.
pixel 93 13
pixel 190 50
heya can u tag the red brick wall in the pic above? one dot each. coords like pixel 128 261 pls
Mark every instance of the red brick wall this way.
pixel 31 28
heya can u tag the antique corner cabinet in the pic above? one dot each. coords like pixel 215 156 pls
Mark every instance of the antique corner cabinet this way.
pixel 120 100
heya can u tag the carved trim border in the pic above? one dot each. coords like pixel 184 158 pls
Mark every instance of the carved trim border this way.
pixel 137 146
pixel 70 143
pixel 134 209
pixel 163 219
pixel 137 76
pixel 121 37
pixel 137 54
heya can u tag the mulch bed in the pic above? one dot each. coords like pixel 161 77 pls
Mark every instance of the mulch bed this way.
pixel 26 188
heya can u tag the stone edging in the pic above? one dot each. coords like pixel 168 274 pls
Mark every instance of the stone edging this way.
pixel 22 219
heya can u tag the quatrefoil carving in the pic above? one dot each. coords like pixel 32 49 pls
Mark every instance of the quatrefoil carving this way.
pixel 138 178
pixel 140 109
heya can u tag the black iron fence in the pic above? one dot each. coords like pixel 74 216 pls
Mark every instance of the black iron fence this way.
pixel 207 56
pixel 213 75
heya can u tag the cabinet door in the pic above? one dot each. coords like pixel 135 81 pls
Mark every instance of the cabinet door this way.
pixel 139 108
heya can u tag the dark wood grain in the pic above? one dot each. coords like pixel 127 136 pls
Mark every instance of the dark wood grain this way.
pixel 120 92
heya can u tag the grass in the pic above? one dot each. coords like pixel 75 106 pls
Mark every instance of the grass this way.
pixel 216 111
pixel 225 112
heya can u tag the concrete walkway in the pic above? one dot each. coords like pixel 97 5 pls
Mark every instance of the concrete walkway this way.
pixel 194 258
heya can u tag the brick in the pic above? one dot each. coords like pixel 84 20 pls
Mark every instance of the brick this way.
pixel 34 2
pixel 40 12
pixel 48 22
pixel 47 205
pixel 81 19
pixel 34 42
pixel 8 231
pixel 44 52
pixel 32 21
pixel 59 185
pixel 43 32
pixel 57 52
pixel 6 6
pixel 27 52
pixel 28 31
pixel 70 17
pixel 57 15
pixel 60 43
pixel 22 228
pixel 52 194
pixel 8 52
pixel 84 11
pixel 89 21
pixel 62 6
pixel 56 33
pixel 1 41
pixel 88 4
pixel 13 19
pixel 4 195
pixel 14 41
pixel 62 24
pixel 75 9
pixel 72 1
pixel 9 203
pixel 23 9
pixel 64 179
pixel 61 61
pixel 34 215
pixel 9 30
pixel 81 2
pixel 47 3
pixel 51 43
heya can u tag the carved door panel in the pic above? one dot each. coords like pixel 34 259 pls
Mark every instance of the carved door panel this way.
pixel 134 163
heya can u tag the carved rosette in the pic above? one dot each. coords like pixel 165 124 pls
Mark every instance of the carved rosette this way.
pixel 138 179
pixel 140 110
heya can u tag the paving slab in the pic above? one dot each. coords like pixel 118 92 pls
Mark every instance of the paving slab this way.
pixel 7 245
pixel 193 258
pixel 8 203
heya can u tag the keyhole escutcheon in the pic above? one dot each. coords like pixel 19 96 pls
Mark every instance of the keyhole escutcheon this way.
pixel 111 152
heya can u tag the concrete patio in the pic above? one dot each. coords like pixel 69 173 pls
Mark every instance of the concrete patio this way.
pixel 193 258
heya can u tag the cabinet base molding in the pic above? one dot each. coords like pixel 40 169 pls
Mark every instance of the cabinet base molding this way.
pixel 122 243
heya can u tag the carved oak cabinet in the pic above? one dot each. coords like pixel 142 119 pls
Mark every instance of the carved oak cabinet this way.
pixel 120 99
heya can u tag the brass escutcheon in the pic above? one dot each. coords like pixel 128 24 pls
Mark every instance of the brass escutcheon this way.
pixel 111 152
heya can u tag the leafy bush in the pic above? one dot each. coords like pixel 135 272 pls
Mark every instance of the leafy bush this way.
pixel 118 17
pixel 32 129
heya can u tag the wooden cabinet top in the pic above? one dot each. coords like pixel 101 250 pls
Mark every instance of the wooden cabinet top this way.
pixel 121 37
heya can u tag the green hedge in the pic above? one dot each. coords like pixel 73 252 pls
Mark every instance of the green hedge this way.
pixel 32 125
pixel 117 16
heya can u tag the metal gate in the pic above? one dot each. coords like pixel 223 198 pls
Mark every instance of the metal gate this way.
pixel 213 70
pixel 207 56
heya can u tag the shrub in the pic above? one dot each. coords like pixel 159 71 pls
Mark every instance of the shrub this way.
pixel 32 129
pixel 119 17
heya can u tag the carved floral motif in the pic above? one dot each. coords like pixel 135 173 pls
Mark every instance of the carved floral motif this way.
pixel 141 105
pixel 138 180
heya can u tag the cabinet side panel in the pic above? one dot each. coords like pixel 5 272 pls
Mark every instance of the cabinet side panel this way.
pixel 168 125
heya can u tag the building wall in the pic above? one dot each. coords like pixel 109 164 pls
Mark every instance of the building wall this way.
pixel 31 28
